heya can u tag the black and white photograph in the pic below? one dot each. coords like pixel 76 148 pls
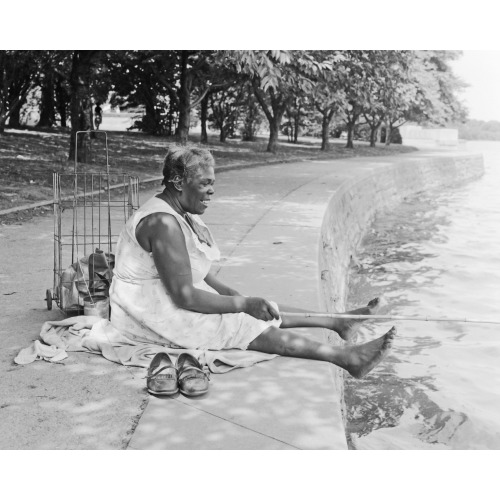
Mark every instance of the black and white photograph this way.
pixel 216 253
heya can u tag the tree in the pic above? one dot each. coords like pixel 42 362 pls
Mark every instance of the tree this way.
pixel 201 72
pixel 390 91
pixel 252 115
pixel 204 117
pixel 224 97
pixel 81 104
pixel 145 78
pixel 422 88
pixel 329 96
pixel 167 83
pixel 63 99
pixel 297 109
pixel 437 87
pixel 18 69
pixel 52 80
pixel 191 64
pixel 225 110
pixel 47 104
pixel 355 76
pixel 44 75
pixel 15 115
pixel 276 76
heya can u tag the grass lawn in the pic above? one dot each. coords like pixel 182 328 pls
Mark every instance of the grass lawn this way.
pixel 29 157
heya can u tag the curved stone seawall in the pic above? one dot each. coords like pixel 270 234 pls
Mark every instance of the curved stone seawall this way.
pixel 354 205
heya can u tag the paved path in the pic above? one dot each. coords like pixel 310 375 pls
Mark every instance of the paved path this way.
pixel 267 221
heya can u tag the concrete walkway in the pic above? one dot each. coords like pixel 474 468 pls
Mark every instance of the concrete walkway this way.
pixel 267 222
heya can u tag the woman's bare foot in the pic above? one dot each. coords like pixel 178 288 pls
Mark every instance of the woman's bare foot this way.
pixel 362 358
pixel 347 328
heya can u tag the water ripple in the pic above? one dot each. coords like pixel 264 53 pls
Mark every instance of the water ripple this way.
pixel 435 255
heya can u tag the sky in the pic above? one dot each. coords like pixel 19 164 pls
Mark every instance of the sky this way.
pixel 250 29
pixel 481 70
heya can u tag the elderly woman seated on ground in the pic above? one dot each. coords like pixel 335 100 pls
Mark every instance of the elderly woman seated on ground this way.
pixel 164 292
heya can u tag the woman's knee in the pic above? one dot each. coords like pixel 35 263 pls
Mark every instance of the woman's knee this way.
pixel 270 341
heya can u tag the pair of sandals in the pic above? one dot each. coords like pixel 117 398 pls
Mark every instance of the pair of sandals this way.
pixel 166 379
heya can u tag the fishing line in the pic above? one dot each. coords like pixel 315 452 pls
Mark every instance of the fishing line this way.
pixel 388 317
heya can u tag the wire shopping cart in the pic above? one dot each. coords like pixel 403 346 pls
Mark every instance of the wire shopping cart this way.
pixel 90 208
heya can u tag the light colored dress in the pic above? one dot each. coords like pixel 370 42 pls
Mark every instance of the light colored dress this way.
pixel 142 309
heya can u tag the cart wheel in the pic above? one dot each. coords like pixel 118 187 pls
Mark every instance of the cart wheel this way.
pixel 48 298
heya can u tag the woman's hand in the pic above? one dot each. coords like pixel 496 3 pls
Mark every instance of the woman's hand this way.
pixel 260 308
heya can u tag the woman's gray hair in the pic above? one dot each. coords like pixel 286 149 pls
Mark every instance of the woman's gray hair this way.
pixel 185 162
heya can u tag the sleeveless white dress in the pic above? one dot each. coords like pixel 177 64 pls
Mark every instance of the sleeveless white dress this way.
pixel 142 309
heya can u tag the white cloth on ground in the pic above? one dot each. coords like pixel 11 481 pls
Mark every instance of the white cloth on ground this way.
pixel 98 336
pixel 37 350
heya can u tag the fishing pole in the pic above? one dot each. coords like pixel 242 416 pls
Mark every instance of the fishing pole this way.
pixel 387 317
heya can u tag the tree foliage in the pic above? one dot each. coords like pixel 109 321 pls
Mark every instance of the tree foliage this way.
pixel 146 79
pixel 277 78
pixel 18 69
pixel 293 91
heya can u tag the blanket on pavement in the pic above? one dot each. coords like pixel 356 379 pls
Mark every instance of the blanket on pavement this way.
pixel 98 336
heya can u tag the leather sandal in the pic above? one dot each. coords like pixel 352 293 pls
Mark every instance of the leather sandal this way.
pixel 193 379
pixel 162 376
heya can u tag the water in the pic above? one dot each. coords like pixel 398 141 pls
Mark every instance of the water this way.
pixel 437 254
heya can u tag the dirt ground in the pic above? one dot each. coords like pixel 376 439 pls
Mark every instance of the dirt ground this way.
pixel 29 158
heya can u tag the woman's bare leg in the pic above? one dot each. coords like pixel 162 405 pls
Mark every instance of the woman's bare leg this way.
pixel 358 359
pixel 346 328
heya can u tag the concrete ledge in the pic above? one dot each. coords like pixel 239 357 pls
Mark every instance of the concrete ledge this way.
pixel 288 232
pixel 355 204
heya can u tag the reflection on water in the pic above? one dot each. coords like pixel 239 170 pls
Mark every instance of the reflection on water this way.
pixel 435 255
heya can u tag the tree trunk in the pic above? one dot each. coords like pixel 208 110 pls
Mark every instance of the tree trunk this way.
pixel 388 134
pixel 275 122
pixel 223 133
pixel 274 128
pixel 3 119
pixel 325 132
pixel 248 126
pixel 278 107
pixel 47 104
pixel 61 101
pixel 203 118
pixel 15 116
pixel 170 119
pixel 296 128
pixel 4 114
pixel 373 134
pixel 184 101
pixel 289 126
pixel 14 106
pixel 182 131
pixel 149 120
pixel 350 133
pixel 81 105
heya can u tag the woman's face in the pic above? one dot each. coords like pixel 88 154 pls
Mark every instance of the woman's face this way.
pixel 197 191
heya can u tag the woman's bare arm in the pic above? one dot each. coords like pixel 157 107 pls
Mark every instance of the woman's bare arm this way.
pixel 220 287
pixel 162 235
